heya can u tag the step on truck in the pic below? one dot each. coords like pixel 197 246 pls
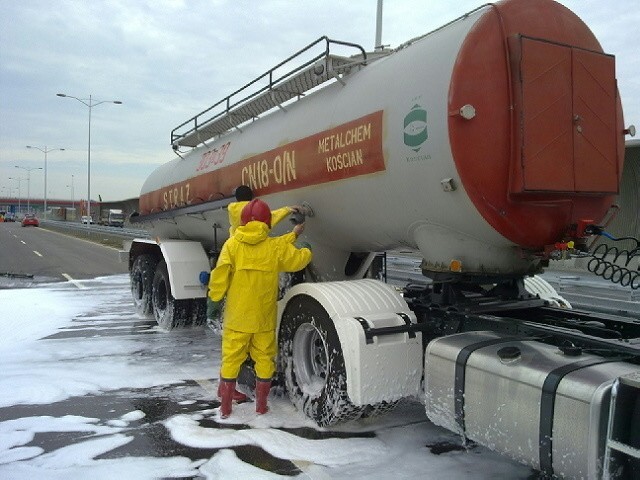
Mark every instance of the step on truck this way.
pixel 490 147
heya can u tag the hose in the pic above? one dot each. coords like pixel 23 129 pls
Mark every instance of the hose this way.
pixel 609 269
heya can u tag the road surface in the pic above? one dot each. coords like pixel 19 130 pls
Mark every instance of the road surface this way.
pixel 91 390
pixel 31 255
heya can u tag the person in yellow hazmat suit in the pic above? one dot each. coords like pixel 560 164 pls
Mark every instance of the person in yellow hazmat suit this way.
pixel 247 273
pixel 244 195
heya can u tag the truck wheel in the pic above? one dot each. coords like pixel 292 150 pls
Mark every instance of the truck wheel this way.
pixel 142 272
pixel 634 440
pixel 168 312
pixel 378 409
pixel 198 311
pixel 312 363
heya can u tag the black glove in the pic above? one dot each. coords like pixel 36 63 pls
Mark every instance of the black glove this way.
pixel 214 309
pixel 303 244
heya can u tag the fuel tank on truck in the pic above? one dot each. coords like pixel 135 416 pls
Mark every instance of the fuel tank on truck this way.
pixel 481 144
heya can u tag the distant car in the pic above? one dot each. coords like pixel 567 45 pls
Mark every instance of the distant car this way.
pixel 87 219
pixel 30 219
pixel 10 217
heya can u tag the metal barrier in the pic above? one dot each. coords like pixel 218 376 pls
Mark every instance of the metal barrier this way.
pixel 111 236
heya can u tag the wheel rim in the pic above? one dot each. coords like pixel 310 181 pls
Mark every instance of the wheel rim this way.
pixel 310 359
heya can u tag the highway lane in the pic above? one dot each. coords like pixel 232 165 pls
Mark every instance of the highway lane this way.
pixel 35 255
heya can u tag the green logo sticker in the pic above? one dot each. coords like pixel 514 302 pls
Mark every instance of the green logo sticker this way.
pixel 415 128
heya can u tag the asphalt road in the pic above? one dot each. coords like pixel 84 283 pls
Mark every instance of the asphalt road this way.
pixel 106 394
pixel 35 255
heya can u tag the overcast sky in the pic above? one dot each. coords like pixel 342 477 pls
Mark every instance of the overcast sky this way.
pixel 167 60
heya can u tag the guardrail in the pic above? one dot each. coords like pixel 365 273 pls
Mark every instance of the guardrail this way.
pixel 403 269
pixel 81 227
pixel 111 236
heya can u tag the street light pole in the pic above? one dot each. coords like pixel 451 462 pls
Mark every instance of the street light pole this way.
pixel 45 151
pixel 89 103
pixel 73 205
pixel 28 169
pixel 19 191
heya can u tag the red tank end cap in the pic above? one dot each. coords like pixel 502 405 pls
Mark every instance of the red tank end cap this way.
pixel 256 210
pixel 536 159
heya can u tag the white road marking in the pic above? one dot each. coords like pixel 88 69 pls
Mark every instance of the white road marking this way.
pixel 77 284
pixel 23 242
pixel 37 253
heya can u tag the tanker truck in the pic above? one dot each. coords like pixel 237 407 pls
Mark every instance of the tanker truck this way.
pixel 489 147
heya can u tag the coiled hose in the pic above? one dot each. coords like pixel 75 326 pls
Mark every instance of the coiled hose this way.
pixel 612 263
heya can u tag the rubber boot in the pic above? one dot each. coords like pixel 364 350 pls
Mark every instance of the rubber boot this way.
pixel 237 396
pixel 262 392
pixel 226 390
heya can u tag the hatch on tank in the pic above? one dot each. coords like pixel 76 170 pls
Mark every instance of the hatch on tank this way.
pixel 565 101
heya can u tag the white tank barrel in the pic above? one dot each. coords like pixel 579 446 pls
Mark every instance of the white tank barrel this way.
pixel 476 145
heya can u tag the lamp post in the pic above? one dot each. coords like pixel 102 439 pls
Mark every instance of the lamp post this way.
pixel 90 103
pixel 19 193
pixel 9 189
pixel 28 169
pixel 45 151
pixel 73 205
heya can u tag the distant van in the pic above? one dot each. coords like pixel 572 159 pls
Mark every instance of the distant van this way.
pixel 87 219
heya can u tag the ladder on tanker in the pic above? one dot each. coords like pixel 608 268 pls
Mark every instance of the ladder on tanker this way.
pixel 622 448
pixel 268 91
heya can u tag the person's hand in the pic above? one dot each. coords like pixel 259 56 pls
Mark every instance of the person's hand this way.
pixel 298 229
pixel 214 309
pixel 297 214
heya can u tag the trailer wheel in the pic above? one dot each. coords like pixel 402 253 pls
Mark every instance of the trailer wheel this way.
pixel 168 312
pixel 378 409
pixel 634 439
pixel 198 311
pixel 312 363
pixel 142 272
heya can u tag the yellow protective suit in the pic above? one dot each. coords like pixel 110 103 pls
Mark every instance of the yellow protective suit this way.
pixel 247 273
pixel 235 212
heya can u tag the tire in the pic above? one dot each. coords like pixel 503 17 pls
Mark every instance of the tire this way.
pixel 142 272
pixel 168 312
pixel 312 364
pixel 379 409
pixel 198 311
pixel 634 439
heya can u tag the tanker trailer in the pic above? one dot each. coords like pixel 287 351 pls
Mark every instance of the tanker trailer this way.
pixel 489 146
